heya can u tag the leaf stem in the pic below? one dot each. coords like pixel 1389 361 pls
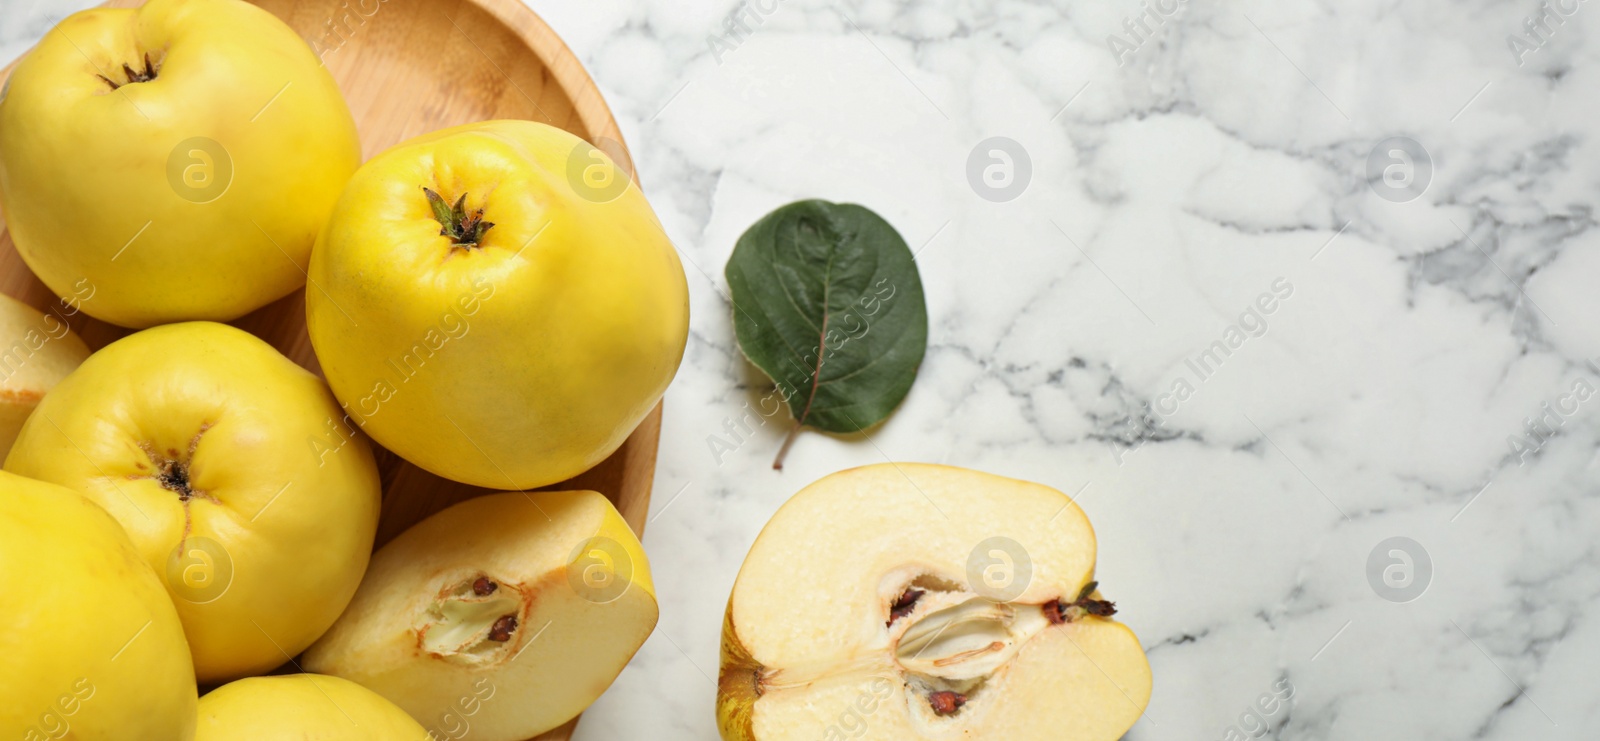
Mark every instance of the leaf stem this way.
pixel 816 373
pixel 788 440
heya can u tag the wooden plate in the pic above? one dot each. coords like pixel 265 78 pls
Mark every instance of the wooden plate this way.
pixel 407 68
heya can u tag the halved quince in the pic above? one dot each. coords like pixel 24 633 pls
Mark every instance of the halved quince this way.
pixel 919 601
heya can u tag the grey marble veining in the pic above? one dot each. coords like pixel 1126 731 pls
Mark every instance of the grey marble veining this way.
pixel 1226 154
pixel 1421 373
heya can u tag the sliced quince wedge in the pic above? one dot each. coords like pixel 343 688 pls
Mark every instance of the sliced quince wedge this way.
pixel 501 617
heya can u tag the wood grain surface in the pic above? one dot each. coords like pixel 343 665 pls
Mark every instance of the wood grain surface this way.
pixel 408 67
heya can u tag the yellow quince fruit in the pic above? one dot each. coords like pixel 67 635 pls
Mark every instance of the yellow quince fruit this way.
pixel 225 463
pixel 497 303
pixel 179 157
pixel 498 618
pixel 37 350
pixel 304 707
pixel 906 600
pixel 92 649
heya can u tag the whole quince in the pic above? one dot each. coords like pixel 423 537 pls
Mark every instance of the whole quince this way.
pixel 224 462
pixel 304 707
pixel 179 158
pixel 92 648
pixel 497 303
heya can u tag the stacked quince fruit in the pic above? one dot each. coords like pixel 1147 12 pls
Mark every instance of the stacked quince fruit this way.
pixel 187 509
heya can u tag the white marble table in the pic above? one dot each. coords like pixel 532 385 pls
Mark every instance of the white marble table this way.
pixel 1238 496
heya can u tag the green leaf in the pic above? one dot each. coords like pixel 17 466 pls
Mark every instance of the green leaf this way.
pixel 828 303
